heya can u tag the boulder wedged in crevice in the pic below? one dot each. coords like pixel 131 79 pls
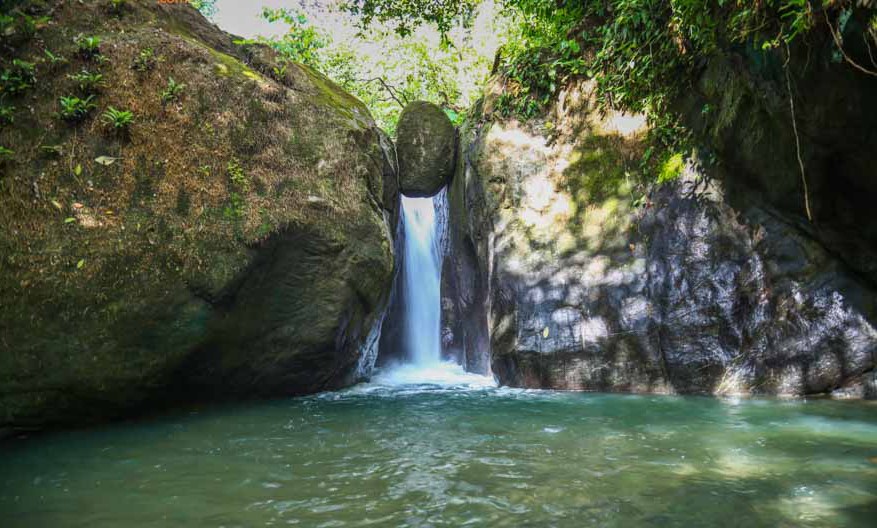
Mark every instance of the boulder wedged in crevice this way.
pixel 426 145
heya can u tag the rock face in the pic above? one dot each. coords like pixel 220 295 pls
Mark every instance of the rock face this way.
pixel 236 244
pixel 581 289
pixel 426 146
pixel 749 125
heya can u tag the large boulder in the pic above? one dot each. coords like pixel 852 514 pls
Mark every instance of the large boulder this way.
pixel 426 145
pixel 580 288
pixel 234 243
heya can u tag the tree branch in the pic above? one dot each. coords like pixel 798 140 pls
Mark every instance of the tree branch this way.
pixel 837 40
pixel 797 139
pixel 390 90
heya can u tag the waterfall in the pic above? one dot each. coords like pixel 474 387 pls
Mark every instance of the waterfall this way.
pixel 424 239
pixel 422 220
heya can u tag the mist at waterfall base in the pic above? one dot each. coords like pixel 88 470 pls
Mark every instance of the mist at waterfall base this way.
pixel 421 280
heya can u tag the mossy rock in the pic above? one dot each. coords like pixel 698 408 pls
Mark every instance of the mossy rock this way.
pixel 235 246
pixel 425 145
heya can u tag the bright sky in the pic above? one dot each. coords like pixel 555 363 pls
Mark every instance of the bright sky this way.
pixel 241 17
pixel 380 52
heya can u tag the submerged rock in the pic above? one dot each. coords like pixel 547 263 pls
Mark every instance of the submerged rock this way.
pixel 238 245
pixel 426 145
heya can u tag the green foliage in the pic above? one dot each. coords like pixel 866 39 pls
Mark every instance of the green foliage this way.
pixel 89 82
pixel 19 77
pixel 6 114
pixel 89 47
pixel 206 7
pixel 237 176
pixel 7 25
pixel 52 58
pixel 28 25
pixel 672 168
pixel 240 184
pixel 6 153
pixel 118 119
pixel 540 54
pixel 279 72
pixel 302 41
pixel 457 118
pixel 75 109
pixel 117 6
pixel 144 61
pixel 21 24
pixel 382 69
pixel 172 91
pixel 643 54
pixel 236 207
pixel 407 15
pixel 52 150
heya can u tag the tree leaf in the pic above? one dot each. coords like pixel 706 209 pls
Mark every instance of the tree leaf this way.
pixel 69 220
pixel 105 160
pixel 80 264
pixel 77 170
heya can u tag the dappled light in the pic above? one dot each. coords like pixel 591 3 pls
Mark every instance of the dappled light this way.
pixel 416 263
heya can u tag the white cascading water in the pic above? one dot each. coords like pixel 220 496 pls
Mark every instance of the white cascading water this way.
pixel 421 278
pixel 423 221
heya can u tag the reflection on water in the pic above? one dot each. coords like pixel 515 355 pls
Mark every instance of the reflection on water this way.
pixel 386 454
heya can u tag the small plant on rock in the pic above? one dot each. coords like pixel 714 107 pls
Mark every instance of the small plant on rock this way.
pixel 75 109
pixel 145 60
pixel 6 153
pixel 118 119
pixel 19 77
pixel 89 47
pixel 117 6
pixel 236 207
pixel 6 114
pixel 279 72
pixel 31 24
pixel 89 83
pixel 237 176
pixel 51 58
pixel 7 25
pixel 172 91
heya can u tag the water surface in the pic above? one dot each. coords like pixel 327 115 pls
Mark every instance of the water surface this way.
pixel 431 455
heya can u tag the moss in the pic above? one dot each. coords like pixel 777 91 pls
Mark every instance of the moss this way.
pixel 597 170
pixel 672 168
pixel 332 95
pixel 225 65
pixel 168 229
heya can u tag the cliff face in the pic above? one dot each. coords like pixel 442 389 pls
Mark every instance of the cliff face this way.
pixel 584 285
pixel 777 119
pixel 234 240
